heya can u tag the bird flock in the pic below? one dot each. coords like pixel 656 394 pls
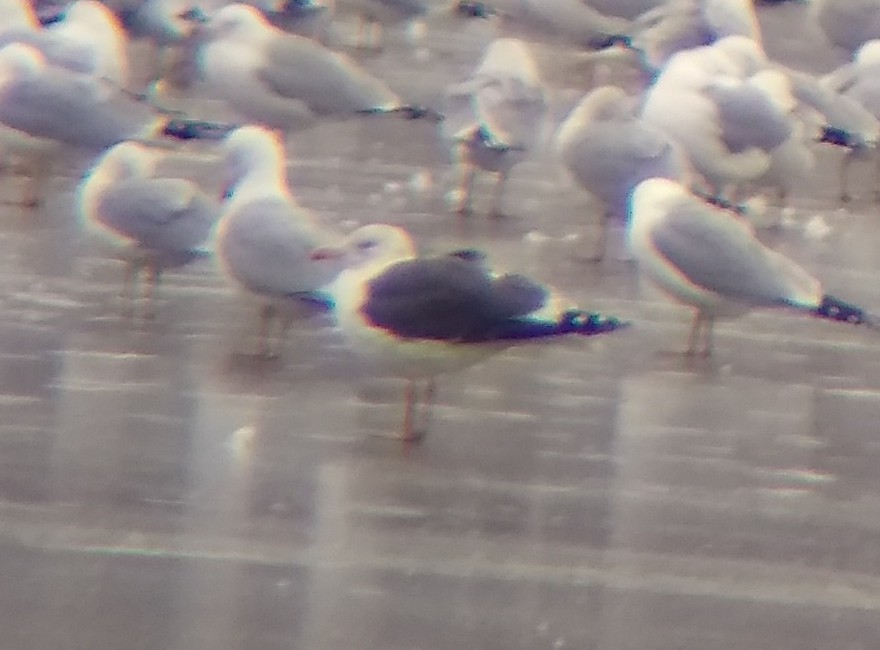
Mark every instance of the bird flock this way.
pixel 685 119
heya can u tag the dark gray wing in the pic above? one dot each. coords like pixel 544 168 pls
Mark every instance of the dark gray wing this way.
pixel 449 299
pixel 716 252
pixel 748 117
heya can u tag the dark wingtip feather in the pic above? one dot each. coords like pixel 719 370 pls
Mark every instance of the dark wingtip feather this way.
pixel 724 204
pixel 591 323
pixel 410 112
pixel 474 9
pixel 837 137
pixel 186 129
pixel 833 308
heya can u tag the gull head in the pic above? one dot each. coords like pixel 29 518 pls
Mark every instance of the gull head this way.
pixel 603 104
pixel 654 197
pixel 18 14
pixel 20 61
pixel 868 54
pixel 127 161
pixel 253 151
pixel 88 13
pixel 238 22
pixel 375 245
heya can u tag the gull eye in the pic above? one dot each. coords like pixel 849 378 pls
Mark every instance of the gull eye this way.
pixel 366 244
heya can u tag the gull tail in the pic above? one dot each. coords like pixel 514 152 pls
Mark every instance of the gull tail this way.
pixel 410 112
pixel 833 308
pixel 839 137
pixel 474 9
pixel 589 323
pixel 187 129
pixel 572 322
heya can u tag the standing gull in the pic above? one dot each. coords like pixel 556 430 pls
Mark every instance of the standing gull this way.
pixel 495 118
pixel 859 81
pixel 45 110
pixel 848 23
pixel 265 239
pixel 87 39
pixel 709 258
pixel 609 150
pixel 285 81
pixel 420 317
pixel 162 221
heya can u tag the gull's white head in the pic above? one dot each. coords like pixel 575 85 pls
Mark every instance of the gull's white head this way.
pixel 239 22
pixel 254 156
pixel 374 246
pixel 122 162
pixel 127 161
pixel 20 61
pixel 509 57
pixel 93 26
pixel 17 14
pixel 252 149
pixel 744 53
pixel 603 104
pixel 654 197
pixel 868 54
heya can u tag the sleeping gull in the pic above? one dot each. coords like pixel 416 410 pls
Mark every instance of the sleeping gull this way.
pixel 163 221
pixel 265 239
pixel 609 150
pixel 286 81
pixel 709 258
pixel 722 113
pixel 494 119
pixel 420 317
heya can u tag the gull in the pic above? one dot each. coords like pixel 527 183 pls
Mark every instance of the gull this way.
pixel 45 109
pixel 285 81
pixel 858 82
pixel 709 258
pixel 720 111
pixel 609 150
pixel 421 317
pixel 848 24
pixel 494 119
pixel 86 39
pixel 162 221
pixel 678 25
pixel 17 15
pixel 265 239
pixel 561 22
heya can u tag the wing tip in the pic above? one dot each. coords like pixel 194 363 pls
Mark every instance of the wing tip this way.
pixel 592 323
pixel 833 308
